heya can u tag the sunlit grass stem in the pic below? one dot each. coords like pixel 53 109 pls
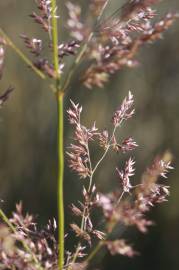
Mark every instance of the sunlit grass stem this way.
pixel 60 197
pixel 60 126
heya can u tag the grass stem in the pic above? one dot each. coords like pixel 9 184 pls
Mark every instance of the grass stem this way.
pixel 60 181
pixel 60 126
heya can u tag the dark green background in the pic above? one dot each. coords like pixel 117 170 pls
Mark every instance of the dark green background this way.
pixel 28 131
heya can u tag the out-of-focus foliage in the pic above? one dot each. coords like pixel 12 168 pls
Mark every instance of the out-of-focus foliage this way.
pixel 28 130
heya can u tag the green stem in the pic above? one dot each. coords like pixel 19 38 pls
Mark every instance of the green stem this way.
pixel 60 181
pixel 21 55
pixel 60 126
pixel 6 220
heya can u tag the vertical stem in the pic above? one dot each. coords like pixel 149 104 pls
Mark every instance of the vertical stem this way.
pixel 60 180
pixel 60 126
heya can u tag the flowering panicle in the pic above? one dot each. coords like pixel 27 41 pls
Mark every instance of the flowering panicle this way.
pixel 146 195
pixel 108 45
pixel 118 38
pixel 151 192
pixel 35 44
pixel 116 210
pixel 41 244
pixel 79 159
pixel 80 162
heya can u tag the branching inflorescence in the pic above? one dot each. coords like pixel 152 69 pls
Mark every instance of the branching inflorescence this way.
pixel 117 40
pixel 106 46
pixel 129 203
pixel 24 246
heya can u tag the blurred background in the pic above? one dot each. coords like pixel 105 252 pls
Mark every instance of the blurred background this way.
pixel 28 131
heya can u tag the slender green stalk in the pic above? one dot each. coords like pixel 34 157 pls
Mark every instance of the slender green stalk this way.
pixel 6 220
pixel 21 55
pixel 60 181
pixel 60 126
pixel 26 247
